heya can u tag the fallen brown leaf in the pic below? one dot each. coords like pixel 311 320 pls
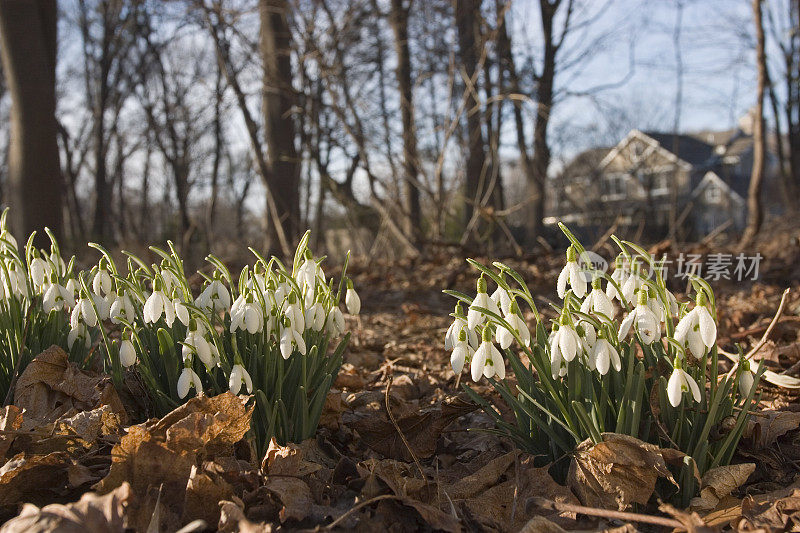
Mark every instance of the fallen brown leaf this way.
pixel 422 429
pixel 92 513
pixel 616 472
pixel 764 427
pixel 720 482
pixel 51 387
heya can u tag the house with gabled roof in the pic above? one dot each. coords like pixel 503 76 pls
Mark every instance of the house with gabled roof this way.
pixel 650 178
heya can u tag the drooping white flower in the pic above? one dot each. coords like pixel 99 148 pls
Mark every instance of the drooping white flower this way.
pixel 187 380
pixel 7 241
pixel 170 280
pixel 247 317
pixel 335 322
pixel 291 338
pixel 604 355
pixel 487 360
pixel 238 376
pixel 294 312
pixel 502 299
pixel 79 332
pixel 127 353
pixel 644 321
pixel 83 312
pixel 351 299
pixel 598 301
pixel 571 273
pixel 38 272
pixel 57 297
pixel 566 340
pixel 214 298
pixel 619 276
pixel 181 311
pixel 122 307
pixel 196 339
pixel 587 335
pixel 103 306
pixel 505 337
pixel 102 283
pixel 746 382
pixel 482 300
pixel 697 328
pixel 315 316
pixel 679 382
pixel 158 304
pixel 461 352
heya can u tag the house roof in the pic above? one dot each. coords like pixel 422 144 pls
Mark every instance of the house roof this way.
pixel 586 162
pixel 690 149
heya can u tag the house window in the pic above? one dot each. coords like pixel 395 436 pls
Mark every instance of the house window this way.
pixel 615 185
pixel 713 194
pixel 660 184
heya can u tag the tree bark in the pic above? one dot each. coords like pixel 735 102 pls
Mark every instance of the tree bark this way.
pixel 279 128
pixel 28 53
pixel 544 104
pixel 399 21
pixel 755 215
pixel 468 36
pixel 792 108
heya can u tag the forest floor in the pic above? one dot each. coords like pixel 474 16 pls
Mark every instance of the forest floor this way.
pixel 359 473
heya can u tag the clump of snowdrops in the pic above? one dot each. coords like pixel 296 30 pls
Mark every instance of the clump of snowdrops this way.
pixel 37 292
pixel 266 332
pixel 623 356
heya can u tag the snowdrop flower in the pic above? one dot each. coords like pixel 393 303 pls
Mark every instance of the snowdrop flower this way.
pixel 571 273
pixel 170 280
pixel 289 339
pixel 619 277
pixel 122 307
pixel 158 304
pixel 502 299
pixel 187 380
pixel 315 316
pixel 215 297
pixel 504 337
pixel 247 317
pixel 746 380
pixel 38 272
pixel 351 299
pixel 475 317
pixel 103 306
pixel 127 353
pixel 335 322
pixel 72 288
pixel 697 328
pixel 7 241
pixel 79 332
pixel 598 301
pixel 238 376
pixel 587 336
pixel 566 339
pixel 294 313
pixel 181 311
pixel 487 360
pixel 462 351
pixel 83 312
pixel 57 297
pixel 679 382
pixel 604 355
pixel 646 322
pixel 455 329
pixel 102 283
pixel 196 342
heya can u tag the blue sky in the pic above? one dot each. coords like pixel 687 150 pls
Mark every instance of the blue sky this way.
pixel 632 41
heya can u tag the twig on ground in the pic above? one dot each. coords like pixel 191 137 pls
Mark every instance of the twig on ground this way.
pixel 544 503
pixel 399 432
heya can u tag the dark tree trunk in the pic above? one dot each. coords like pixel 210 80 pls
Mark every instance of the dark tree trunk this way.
pixel 283 179
pixel 755 215
pixel 28 50
pixel 399 21
pixel 544 104
pixel 468 36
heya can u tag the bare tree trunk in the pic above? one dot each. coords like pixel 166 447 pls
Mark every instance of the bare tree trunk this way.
pixel 792 108
pixel 279 129
pixel 212 203
pixel 28 52
pixel 755 215
pixel 544 103
pixel 399 20
pixel 468 36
